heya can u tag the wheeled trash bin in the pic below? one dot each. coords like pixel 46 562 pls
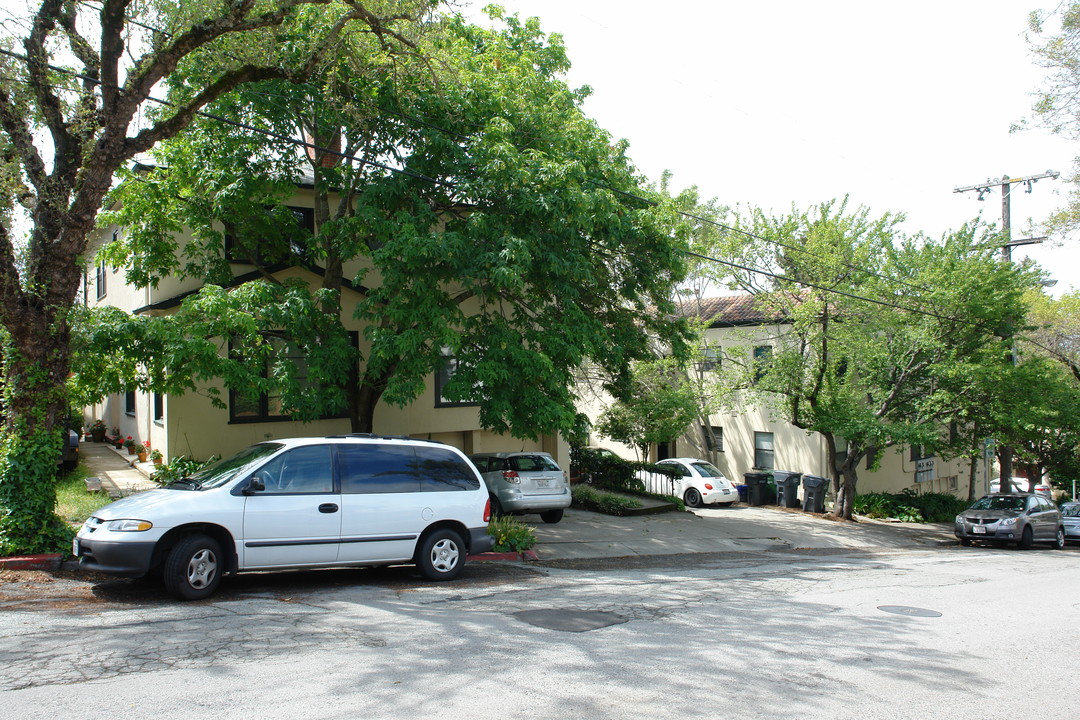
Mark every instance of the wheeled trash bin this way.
pixel 787 488
pixel 757 488
pixel 814 493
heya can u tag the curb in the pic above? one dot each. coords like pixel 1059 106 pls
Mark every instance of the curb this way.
pixel 48 561
pixel 511 556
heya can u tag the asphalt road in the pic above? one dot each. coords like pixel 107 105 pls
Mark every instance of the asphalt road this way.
pixel 935 632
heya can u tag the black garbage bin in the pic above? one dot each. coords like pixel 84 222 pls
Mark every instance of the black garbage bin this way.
pixel 787 488
pixel 757 488
pixel 814 493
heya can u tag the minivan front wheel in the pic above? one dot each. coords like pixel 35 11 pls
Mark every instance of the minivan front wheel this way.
pixel 193 568
pixel 441 555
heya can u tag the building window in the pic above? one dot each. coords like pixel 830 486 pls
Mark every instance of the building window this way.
pixel 296 238
pixel 129 402
pixel 763 451
pixel 710 359
pixel 159 407
pixel 924 464
pixel 714 440
pixel 447 368
pixel 268 407
pixel 762 356
pixel 99 279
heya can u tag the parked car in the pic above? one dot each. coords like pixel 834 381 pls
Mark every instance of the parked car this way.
pixel 298 503
pixel 524 482
pixel 698 482
pixel 1070 518
pixel 1022 518
pixel 69 454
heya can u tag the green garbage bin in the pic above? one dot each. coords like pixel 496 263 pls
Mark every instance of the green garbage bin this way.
pixel 814 493
pixel 787 488
pixel 757 487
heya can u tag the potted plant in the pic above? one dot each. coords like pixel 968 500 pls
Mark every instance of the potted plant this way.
pixel 142 450
pixel 130 445
pixel 97 431
pixel 155 456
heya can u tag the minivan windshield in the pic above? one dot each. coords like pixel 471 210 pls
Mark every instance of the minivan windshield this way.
pixel 222 472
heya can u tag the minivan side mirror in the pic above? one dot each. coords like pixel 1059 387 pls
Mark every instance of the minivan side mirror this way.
pixel 254 485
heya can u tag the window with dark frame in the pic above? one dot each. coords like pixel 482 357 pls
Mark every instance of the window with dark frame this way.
pixel 305 221
pixel 715 439
pixel 447 367
pixel 267 407
pixel 159 407
pixel 710 358
pixel 129 402
pixel 762 356
pixel 764 451
pixel 99 279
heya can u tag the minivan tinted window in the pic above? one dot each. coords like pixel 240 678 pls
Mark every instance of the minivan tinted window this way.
pixel 301 470
pixel 440 469
pixel 377 469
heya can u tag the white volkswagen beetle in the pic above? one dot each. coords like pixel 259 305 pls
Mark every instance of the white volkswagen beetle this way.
pixel 698 482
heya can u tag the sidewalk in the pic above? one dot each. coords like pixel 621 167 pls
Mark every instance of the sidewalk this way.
pixel 120 474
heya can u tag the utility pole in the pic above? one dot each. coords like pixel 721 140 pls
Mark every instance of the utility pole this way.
pixel 1005 453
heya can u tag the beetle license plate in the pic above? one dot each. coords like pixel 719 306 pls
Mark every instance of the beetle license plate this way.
pixel 978 530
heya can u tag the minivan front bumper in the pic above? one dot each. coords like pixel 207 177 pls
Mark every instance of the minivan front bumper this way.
pixel 126 559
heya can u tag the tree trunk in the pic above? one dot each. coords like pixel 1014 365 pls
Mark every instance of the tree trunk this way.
pixel 972 474
pixel 844 507
pixel 35 370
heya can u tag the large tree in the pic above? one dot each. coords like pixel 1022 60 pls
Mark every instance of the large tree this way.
pixel 76 88
pixel 877 326
pixel 495 224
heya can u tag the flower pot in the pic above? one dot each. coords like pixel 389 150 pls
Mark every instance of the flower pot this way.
pixel 131 451
pixel 142 457
pixel 98 435
pixel 157 461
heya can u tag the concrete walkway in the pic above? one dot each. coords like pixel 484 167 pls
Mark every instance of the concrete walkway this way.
pixel 120 474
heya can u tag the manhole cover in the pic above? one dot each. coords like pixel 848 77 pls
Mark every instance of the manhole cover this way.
pixel 909 611
pixel 570 620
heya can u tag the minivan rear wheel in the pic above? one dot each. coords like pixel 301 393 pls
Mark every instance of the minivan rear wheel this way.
pixel 193 568
pixel 441 555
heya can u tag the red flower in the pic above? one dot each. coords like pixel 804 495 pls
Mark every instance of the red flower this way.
pixel 146 443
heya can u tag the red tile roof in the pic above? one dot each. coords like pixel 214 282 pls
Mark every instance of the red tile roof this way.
pixel 729 310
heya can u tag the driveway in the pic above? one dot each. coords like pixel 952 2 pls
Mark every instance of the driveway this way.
pixel 740 528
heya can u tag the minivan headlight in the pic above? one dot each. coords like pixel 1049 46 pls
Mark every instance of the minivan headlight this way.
pixel 129 525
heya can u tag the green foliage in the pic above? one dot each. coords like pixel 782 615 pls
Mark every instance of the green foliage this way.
pixel 589 498
pixel 179 468
pixel 510 534
pixel 656 405
pixel 73 503
pixel 908 506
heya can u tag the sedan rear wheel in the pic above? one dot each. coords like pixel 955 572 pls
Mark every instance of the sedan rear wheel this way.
pixel 1059 539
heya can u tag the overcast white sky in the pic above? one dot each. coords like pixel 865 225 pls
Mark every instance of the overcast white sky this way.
pixel 775 102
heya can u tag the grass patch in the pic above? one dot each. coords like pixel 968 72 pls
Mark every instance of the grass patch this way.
pixel 589 498
pixel 73 503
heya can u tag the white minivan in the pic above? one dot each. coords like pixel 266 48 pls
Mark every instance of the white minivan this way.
pixel 349 500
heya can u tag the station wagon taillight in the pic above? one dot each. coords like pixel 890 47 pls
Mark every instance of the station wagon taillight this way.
pixel 511 476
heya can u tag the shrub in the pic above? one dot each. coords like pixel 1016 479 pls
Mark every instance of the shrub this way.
pixel 909 506
pixel 590 498
pixel 179 468
pixel 510 534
